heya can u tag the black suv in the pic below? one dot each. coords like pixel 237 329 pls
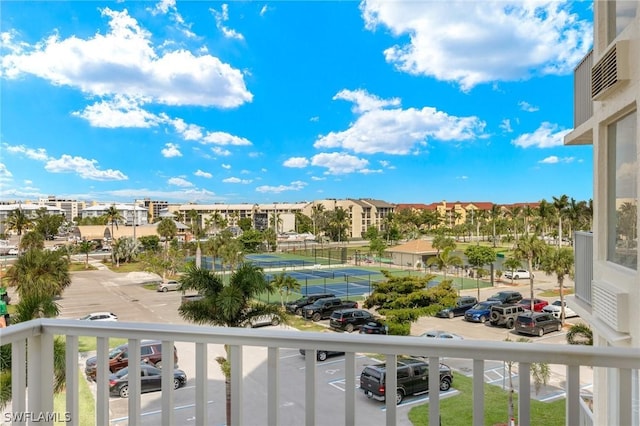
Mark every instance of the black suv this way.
pixel 537 323
pixel 463 303
pixel 296 306
pixel 507 296
pixel 505 314
pixel 412 376
pixel 349 319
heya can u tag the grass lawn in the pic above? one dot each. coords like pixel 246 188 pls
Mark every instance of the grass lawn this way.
pixel 80 266
pixel 89 343
pixel 86 404
pixel 458 410
pixel 556 292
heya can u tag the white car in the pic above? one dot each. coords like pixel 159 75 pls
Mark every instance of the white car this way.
pixel 556 307
pixel 440 334
pixel 263 320
pixel 518 274
pixel 13 252
pixel 170 285
pixel 100 316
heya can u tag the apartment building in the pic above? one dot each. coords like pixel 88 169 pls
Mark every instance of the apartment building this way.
pixel 70 208
pixel 606 99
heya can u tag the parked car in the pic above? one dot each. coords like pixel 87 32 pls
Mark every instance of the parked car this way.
pixel 171 285
pixel 323 308
pixel 518 274
pixel 322 355
pixel 100 316
pixel 463 304
pixel 263 320
pixel 556 307
pixel 505 314
pixel 507 296
pixel 440 334
pixel 412 378
pixel 349 319
pixel 150 353
pixel 150 380
pixel 374 327
pixel 537 323
pixel 296 306
pixel 13 252
pixel 481 311
pixel 538 304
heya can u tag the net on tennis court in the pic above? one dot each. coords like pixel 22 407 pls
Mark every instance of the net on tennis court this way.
pixel 317 273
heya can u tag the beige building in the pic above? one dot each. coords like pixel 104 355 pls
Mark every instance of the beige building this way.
pixel 607 293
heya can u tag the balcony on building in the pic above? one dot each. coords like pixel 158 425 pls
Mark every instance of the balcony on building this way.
pixel 32 345
pixel 582 133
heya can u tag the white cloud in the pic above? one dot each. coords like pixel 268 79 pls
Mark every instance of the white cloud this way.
pixel 191 195
pixel 221 152
pixel 190 132
pixel 200 173
pixel 121 111
pixel 526 106
pixel 369 171
pixel 553 159
pixel 168 7
pixel 83 167
pixel 294 186
pixel 475 42
pixel 314 119
pixel 318 178
pixel 179 181
pixel 236 180
pixel 245 172
pixel 339 163
pixel 124 62
pixel 4 172
pixel 39 154
pixel 223 138
pixel 398 131
pixel 363 101
pixel 226 166
pixel 546 136
pixel 505 126
pixel 296 162
pixel 463 177
pixel 264 10
pixel 171 150
pixel 222 17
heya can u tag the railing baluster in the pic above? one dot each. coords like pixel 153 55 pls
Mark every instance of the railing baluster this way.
pixel 573 395
pixel 18 378
pixel 625 393
pixel 478 392
pixel 524 394
pixel 273 385
pixel 40 377
pixel 391 387
pixel 434 391
pixel 102 377
pixel 235 353
pixel 350 388
pixel 168 365
pixel 72 380
pixel 135 380
pixel 201 384
pixel 310 387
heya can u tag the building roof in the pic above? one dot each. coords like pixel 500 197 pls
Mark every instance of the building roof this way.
pixel 413 206
pixel 414 247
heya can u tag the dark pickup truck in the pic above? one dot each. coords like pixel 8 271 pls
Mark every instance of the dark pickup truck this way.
pixel 323 308
pixel 412 379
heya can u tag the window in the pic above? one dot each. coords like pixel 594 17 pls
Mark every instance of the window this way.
pixel 622 235
pixel 621 13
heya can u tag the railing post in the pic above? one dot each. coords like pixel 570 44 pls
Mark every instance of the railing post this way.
pixel 235 353
pixel 201 384
pixel 102 376
pixel 40 377
pixel 391 387
pixel 134 382
pixel 273 385
pixel 434 391
pixel 18 378
pixel 310 387
pixel 350 388
pixel 524 394
pixel 72 380
pixel 573 395
pixel 168 365
pixel 625 394
pixel 478 392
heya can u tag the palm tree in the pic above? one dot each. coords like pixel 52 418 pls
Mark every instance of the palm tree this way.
pixel 113 217
pixel 530 248
pixel 528 213
pixel 227 306
pixel 512 264
pixel 317 211
pixel 39 273
pixel 545 212
pixel 515 213
pixel 17 221
pixel 444 260
pixel 494 213
pixel 560 203
pixel 559 261
pixel 339 222
pixel 32 240
pixel 167 229
pixel 86 247
pixel 285 284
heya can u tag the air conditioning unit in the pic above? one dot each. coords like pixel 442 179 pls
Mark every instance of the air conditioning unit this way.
pixel 611 305
pixel 611 70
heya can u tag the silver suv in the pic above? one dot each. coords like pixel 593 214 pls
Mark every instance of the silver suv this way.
pixel 505 315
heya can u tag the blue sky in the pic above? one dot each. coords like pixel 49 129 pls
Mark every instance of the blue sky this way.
pixel 247 101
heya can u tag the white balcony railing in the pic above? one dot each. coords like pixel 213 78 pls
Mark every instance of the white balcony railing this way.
pixel 32 345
